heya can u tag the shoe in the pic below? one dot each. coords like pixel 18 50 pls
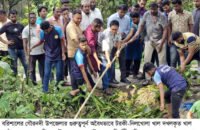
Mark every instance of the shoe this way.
pixel 107 92
pixel 114 81
pixel 125 81
pixel 145 83
pixel 140 76
pixel 65 84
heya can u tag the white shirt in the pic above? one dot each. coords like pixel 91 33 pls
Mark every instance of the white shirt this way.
pixel 3 47
pixel 108 40
pixel 96 14
pixel 86 21
pixel 35 38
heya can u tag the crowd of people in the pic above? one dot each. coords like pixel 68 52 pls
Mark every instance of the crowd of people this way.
pixel 75 43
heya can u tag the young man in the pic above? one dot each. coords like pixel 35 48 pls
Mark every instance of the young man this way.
pixel 134 49
pixel 13 31
pixel 166 7
pixel 79 72
pixel 194 110
pixel 124 28
pixel 109 39
pixel 55 20
pixel 42 14
pixel 187 44
pixel 54 47
pixel 91 34
pixel 176 84
pixel 3 21
pixel 178 20
pixel 166 10
pixel 66 19
pixel 37 54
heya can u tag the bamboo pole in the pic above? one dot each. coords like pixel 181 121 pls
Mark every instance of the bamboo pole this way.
pixel 90 94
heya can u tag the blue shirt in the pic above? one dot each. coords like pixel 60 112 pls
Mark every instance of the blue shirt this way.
pixel 80 60
pixel 52 43
pixel 169 77
pixel 124 23
pixel 39 20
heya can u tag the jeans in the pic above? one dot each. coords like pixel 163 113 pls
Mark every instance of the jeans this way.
pixel 174 56
pixel 15 54
pixel 175 98
pixel 47 72
pixel 74 81
pixel 107 76
pixel 33 59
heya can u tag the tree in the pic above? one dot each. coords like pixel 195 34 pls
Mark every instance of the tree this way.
pixel 13 3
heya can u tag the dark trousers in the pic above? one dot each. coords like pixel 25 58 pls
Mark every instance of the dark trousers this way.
pixel 134 69
pixel 168 55
pixel 66 66
pixel 33 60
pixel 175 98
pixel 154 58
pixel 3 53
pixel 122 63
pixel 74 81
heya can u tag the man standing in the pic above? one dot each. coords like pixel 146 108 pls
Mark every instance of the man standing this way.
pixel 95 12
pixel 55 20
pixel 53 40
pixel 107 40
pixel 156 27
pixel 179 20
pixel 86 14
pixel 196 15
pixel 31 34
pixel 142 4
pixel 73 32
pixel 13 31
pixel 3 21
pixel 166 10
pixel 91 34
pixel 124 28
pixel 42 13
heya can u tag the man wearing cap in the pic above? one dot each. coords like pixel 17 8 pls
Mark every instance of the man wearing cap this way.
pixel 176 84
pixel 86 14
pixel 187 44
pixel 95 12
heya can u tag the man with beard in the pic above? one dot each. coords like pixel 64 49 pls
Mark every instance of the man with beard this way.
pixel 156 27
pixel 95 12
pixel 13 31
pixel 86 15
pixel 178 20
